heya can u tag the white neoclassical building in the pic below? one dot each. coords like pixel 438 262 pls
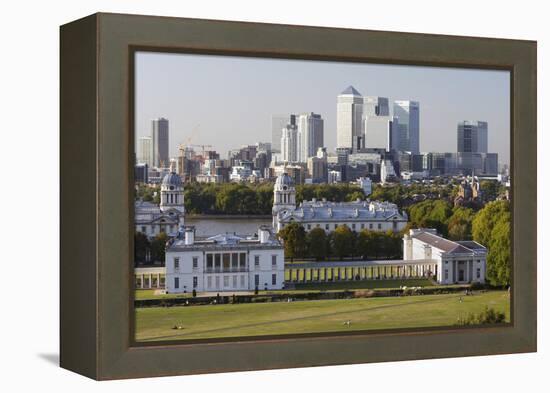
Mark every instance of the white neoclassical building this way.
pixel 358 215
pixel 152 219
pixel 455 261
pixel 224 262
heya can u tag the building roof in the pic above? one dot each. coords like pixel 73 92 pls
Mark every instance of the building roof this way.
pixel 351 91
pixel 313 211
pixel 147 213
pixel 224 241
pixel 172 179
pixel 284 179
pixel 448 246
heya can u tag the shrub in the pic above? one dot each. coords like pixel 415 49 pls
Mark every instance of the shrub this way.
pixel 487 316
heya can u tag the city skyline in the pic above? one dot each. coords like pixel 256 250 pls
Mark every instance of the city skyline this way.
pixel 248 91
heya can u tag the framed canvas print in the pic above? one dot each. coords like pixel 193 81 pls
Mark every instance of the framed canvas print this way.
pixel 255 196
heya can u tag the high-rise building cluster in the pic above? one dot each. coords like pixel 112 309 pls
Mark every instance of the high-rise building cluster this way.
pixel 376 139
pixel 300 137
pixel 365 122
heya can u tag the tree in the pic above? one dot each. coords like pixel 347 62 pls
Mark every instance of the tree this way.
pixel 364 243
pixel 431 214
pixel 489 189
pixel 317 243
pixel 158 247
pixel 355 195
pixel 141 247
pixel 342 241
pixel 491 228
pixel 369 244
pixel 460 224
pixel 294 240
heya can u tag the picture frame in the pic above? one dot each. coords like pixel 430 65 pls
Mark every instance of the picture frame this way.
pixel 96 121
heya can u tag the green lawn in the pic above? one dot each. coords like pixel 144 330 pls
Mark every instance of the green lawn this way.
pixel 257 319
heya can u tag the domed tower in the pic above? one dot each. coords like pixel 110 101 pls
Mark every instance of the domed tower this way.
pixel 284 194
pixel 171 194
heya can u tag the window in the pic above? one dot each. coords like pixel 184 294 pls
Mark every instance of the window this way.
pixel 176 282
pixel 217 281
pixel 256 280
pixel 195 281
pixel 209 282
pixel 234 260
pixel 234 281
pixel 273 279
pixel 217 260
pixel 176 263
pixel 242 281
pixel 226 261
pixel 144 229
pixel 308 226
pixel 274 261
pixel 370 226
pixel 379 226
pixel 225 281
pixel 353 226
pixel 256 261
pixel 195 262
pixel 335 226
pixel 362 226
pixel 209 261
pixel 446 274
pixel 326 227
pixel 242 259
pixel 478 273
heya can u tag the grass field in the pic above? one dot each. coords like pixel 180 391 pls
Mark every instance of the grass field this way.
pixel 257 319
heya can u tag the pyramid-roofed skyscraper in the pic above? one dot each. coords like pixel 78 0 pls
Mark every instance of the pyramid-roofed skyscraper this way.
pixel 350 90
pixel 349 119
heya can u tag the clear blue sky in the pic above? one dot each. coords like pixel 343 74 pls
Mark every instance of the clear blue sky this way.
pixel 228 101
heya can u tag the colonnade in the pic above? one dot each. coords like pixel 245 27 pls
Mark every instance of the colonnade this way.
pixel 296 274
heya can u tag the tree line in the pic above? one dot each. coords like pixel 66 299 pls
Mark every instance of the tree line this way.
pixel 341 243
pixel 247 198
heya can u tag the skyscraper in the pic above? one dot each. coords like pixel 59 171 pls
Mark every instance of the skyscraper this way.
pixel 408 115
pixel 278 122
pixel 375 106
pixel 349 119
pixel 317 166
pixel 472 137
pixel 159 134
pixel 289 143
pixel 145 150
pixel 376 122
pixel 310 135
pixel 377 132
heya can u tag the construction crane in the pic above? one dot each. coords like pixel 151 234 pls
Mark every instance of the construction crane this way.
pixel 203 148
